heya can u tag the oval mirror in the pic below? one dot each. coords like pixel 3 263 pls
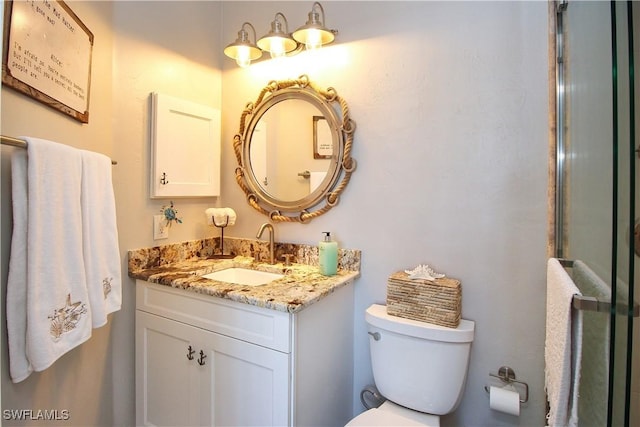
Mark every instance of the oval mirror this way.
pixel 294 150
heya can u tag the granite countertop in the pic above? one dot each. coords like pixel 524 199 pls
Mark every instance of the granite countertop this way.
pixel 182 265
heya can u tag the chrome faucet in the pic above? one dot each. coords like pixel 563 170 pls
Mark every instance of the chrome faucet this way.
pixel 272 233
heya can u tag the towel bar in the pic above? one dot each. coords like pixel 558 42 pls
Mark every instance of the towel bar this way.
pixel 21 143
pixel 587 303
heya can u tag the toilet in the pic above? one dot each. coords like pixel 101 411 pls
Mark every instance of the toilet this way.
pixel 419 367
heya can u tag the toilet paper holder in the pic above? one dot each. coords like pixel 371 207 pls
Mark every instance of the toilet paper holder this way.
pixel 508 376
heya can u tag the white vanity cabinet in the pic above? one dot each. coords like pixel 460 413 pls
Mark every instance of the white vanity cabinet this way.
pixel 202 360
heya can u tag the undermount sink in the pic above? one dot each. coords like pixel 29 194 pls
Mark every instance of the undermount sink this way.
pixel 243 276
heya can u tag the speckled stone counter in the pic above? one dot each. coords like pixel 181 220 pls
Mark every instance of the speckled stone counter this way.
pixel 181 266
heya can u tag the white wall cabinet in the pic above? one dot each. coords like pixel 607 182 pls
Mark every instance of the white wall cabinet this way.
pixel 185 149
pixel 202 360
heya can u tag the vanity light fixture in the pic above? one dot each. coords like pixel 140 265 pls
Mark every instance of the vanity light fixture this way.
pixel 314 34
pixel 243 50
pixel 279 42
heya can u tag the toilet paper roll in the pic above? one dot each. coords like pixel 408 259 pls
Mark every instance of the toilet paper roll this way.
pixel 505 400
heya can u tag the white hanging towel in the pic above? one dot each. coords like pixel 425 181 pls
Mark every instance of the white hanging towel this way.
pixel 48 310
pixel 595 357
pixel 563 347
pixel 100 237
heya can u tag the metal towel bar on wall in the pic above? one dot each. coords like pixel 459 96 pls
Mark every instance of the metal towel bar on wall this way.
pixel 587 303
pixel 21 143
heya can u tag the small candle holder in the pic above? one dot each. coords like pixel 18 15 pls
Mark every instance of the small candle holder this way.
pixel 221 255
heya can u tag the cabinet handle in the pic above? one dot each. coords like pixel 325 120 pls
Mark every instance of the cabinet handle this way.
pixel 190 353
pixel 163 179
pixel 202 357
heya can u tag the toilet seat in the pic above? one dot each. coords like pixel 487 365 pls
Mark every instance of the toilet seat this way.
pixel 392 415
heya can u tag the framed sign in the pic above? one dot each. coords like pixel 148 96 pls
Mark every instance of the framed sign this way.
pixel 47 55
pixel 322 140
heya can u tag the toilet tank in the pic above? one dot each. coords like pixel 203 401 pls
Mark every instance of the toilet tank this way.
pixel 419 365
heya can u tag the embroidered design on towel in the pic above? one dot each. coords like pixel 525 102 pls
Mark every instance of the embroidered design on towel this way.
pixel 66 318
pixel 106 286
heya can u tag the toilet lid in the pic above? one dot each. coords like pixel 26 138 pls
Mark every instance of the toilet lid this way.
pixel 381 418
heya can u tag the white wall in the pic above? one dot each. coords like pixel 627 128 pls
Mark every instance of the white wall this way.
pixel 450 100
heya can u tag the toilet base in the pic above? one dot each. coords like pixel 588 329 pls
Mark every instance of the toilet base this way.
pixel 392 415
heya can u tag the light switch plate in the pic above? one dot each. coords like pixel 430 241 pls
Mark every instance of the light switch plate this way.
pixel 160 229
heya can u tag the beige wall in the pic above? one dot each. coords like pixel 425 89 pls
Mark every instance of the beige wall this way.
pixel 450 99
pixel 76 380
pixel 172 48
pixel 140 47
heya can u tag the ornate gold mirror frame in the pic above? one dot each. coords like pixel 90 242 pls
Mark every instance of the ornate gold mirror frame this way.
pixel 335 111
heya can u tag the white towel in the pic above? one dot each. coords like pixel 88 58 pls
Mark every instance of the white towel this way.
pixel 595 358
pixel 220 216
pixel 563 347
pixel 315 179
pixel 100 237
pixel 48 310
pixel 19 365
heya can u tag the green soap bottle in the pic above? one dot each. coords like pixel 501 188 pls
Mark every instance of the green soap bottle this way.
pixel 328 252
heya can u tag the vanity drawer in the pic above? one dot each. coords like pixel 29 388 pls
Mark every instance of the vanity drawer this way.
pixel 257 325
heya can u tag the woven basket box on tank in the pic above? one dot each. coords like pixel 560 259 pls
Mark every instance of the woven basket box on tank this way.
pixel 436 301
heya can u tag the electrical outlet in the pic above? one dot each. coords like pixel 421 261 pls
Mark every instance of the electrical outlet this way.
pixel 160 229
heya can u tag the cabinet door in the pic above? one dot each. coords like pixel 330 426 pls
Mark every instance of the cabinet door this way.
pixel 166 380
pixel 185 148
pixel 248 384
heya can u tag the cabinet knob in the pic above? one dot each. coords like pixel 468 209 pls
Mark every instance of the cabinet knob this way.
pixel 202 357
pixel 190 353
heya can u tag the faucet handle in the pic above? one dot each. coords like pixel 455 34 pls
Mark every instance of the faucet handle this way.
pixel 287 259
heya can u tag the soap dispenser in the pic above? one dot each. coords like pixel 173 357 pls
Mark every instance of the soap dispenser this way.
pixel 328 254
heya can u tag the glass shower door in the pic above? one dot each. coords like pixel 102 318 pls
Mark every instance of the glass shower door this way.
pixel 621 396
pixel 596 121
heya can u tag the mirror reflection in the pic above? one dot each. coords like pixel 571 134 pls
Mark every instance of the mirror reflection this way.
pixel 291 149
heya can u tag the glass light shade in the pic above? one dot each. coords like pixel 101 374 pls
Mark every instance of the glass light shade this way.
pixel 243 54
pixel 313 38
pixel 313 34
pixel 242 50
pixel 277 45
pixel 277 41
